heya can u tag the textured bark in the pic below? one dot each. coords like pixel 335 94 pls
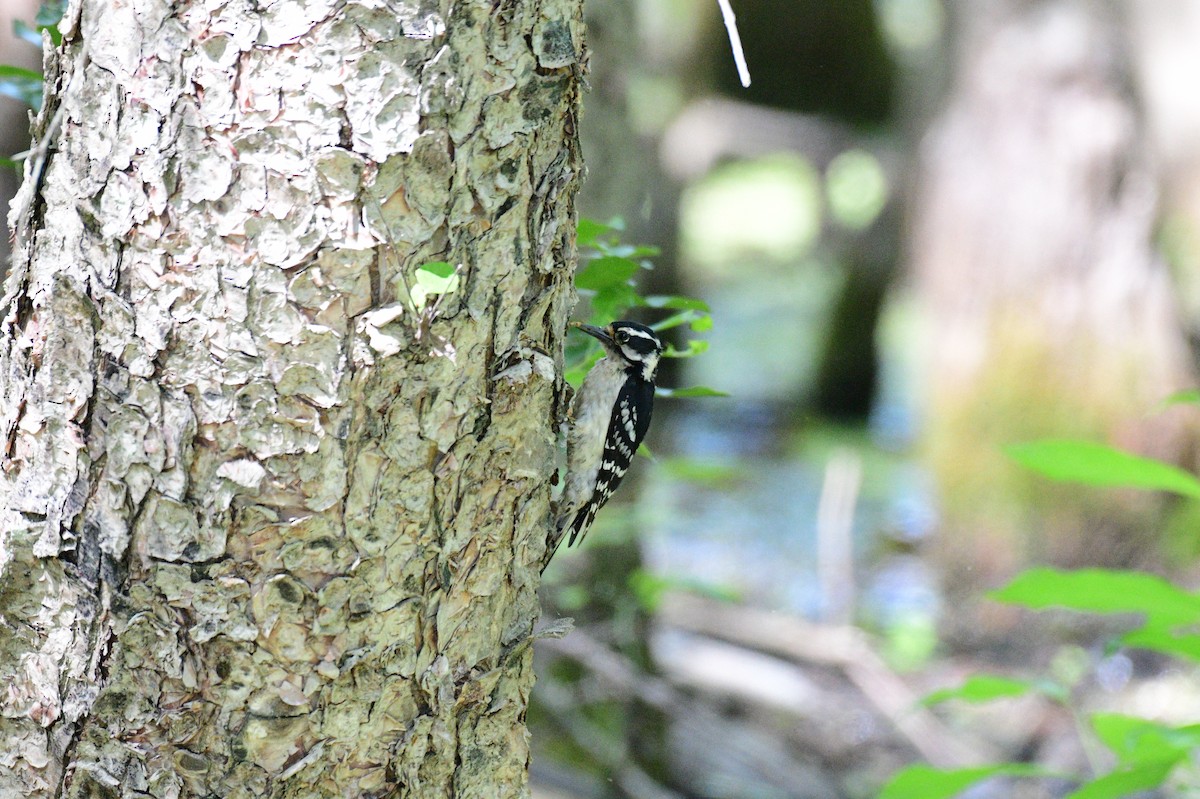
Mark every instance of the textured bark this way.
pixel 1052 315
pixel 264 530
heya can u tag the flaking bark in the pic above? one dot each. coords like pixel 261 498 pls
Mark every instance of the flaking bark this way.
pixel 264 530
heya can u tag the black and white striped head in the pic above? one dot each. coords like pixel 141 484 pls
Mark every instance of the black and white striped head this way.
pixel 630 343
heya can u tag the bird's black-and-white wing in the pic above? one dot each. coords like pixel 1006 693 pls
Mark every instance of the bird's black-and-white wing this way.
pixel 627 428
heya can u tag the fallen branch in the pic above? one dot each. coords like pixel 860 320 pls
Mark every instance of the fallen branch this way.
pixel 843 648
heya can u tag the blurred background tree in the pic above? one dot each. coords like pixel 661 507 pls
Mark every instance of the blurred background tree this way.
pixel 1049 310
pixel 14 116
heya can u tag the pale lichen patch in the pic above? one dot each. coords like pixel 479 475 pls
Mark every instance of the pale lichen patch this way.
pixel 271 742
pixel 205 176
pixel 285 22
pixel 243 472
pixel 169 530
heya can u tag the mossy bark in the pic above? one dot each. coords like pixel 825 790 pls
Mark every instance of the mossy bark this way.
pixel 267 528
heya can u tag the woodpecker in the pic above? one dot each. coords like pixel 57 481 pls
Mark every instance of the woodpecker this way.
pixel 609 419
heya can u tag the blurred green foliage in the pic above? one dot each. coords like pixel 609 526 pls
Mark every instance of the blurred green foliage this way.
pixel 911 25
pixel 926 782
pixel 607 282
pixel 980 688
pixel 1146 754
pixel 650 589
pixel 1028 393
pixel 1100 465
pixel 910 639
pixel 22 84
pixel 769 208
pixel 856 188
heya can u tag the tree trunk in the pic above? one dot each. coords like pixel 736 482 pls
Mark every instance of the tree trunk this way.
pixel 269 525
pixel 1164 36
pixel 1052 315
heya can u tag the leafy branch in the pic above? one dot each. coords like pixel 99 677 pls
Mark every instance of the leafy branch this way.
pixel 1146 754
pixel 607 281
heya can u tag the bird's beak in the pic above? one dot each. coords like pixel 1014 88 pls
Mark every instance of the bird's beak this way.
pixel 598 332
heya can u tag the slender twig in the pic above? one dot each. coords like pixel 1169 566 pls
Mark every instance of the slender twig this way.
pixel 844 648
pixel 390 244
pixel 38 155
pixel 735 42
pixel 835 542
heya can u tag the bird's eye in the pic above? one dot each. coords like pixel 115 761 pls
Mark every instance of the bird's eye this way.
pixel 622 336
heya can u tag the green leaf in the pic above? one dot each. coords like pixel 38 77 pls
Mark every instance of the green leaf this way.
pixel 1136 740
pixel 1100 465
pixel 676 319
pixel 690 391
pixel 980 688
pixel 613 302
pixel 23 31
pixel 602 273
pixel 49 14
pixel 631 251
pixel 697 320
pixel 589 231
pixel 695 347
pixel 21 84
pixel 1103 591
pixel 1190 396
pixel 926 782
pixel 1185 645
pixel 699 470
pixel 436 277
pixel 1123 734
pixel 676 303
pixel 1123 782
pixel 9 71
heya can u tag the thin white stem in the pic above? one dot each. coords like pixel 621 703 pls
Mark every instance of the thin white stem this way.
pixel 735 42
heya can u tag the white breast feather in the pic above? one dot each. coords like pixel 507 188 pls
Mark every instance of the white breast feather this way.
pixel 591 409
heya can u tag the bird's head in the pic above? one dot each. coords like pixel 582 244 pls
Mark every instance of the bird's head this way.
pixel 633 344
